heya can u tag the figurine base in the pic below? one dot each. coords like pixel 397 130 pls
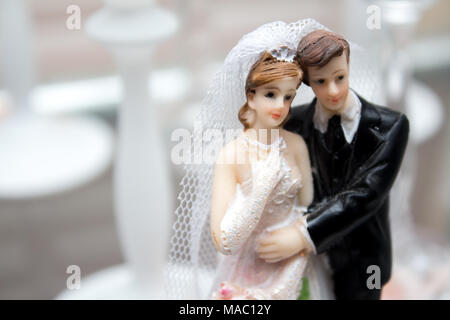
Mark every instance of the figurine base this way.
pixel 119 283
pixel 114 283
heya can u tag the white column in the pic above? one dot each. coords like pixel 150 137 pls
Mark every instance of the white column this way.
pixel 142 184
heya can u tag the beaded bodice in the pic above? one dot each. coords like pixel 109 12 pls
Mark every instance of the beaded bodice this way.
pixel 282 198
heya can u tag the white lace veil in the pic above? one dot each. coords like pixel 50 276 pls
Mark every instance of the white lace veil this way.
pixel 193 256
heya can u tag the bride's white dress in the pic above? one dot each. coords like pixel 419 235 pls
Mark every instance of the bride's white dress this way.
pixel 257 278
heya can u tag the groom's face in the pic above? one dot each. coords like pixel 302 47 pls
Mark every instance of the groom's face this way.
pixel 330 83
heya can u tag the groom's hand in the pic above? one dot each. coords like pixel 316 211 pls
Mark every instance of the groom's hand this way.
pixel 281 244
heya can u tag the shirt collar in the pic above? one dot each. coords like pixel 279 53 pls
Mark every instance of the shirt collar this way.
pixel 349 117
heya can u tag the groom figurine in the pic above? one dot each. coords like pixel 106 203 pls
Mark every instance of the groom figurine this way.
pixel 356 149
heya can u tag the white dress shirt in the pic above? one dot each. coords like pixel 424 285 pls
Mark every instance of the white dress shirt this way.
pixel 349 117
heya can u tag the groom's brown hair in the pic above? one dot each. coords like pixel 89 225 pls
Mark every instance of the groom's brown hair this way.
pixel 317 48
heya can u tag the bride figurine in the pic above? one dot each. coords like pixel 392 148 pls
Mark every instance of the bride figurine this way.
pixel 266 189
pixel 249 177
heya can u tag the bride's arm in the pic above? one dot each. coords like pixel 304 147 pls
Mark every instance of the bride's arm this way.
pixel 306 193
pixel 223 190
pixel 233 215
pixel 306 196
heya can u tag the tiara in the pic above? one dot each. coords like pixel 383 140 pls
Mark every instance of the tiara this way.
pixel 283 53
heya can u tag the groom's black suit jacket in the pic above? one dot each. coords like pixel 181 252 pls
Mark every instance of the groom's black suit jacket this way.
pixel 349 216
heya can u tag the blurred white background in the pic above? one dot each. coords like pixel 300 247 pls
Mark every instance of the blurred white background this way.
pixel 76 76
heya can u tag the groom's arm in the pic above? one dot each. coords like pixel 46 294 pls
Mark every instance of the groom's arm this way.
pixel 339 215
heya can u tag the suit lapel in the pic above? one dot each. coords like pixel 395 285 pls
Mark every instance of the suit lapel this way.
pixel 367 136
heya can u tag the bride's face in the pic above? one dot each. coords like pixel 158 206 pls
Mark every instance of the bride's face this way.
pixel 272 101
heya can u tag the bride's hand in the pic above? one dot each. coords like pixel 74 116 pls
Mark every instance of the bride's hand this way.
pixel 281 244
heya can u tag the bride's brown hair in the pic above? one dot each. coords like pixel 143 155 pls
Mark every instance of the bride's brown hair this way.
pixel 265 70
